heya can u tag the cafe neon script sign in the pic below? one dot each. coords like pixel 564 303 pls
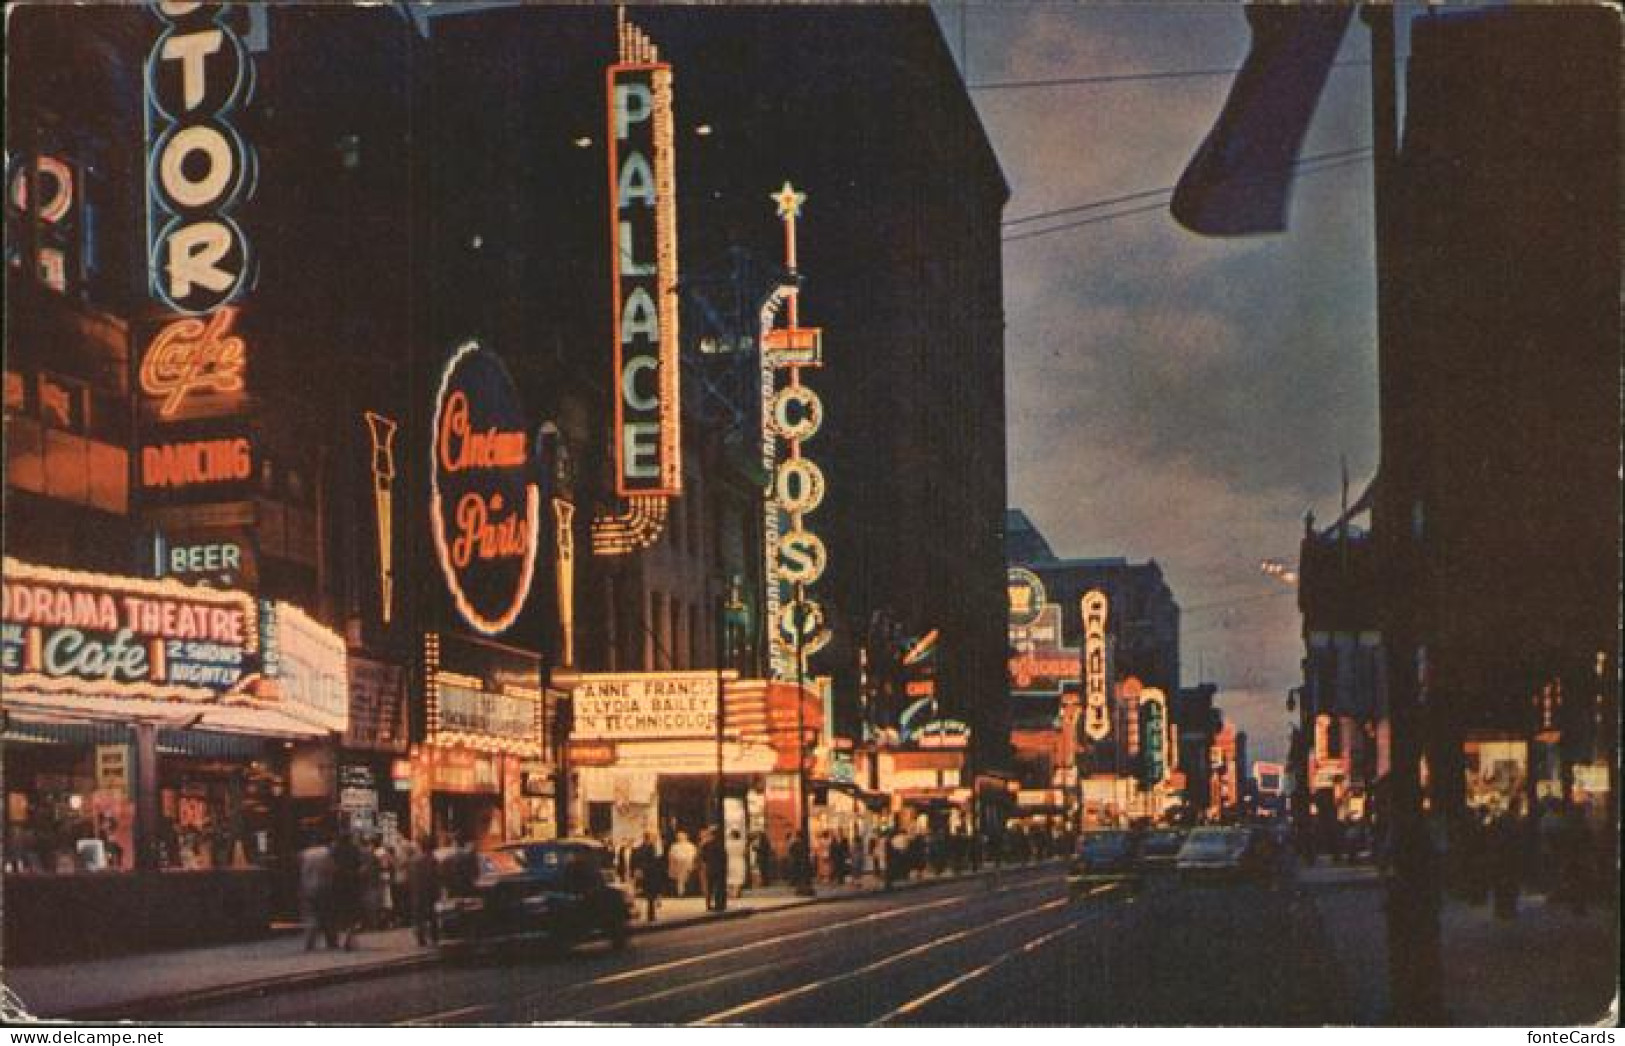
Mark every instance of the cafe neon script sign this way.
pixel 484 503
pixel 643 261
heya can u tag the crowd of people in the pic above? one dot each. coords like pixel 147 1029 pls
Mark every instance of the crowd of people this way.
pixel 350 882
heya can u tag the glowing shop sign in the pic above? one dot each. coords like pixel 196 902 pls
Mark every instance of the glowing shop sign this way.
pixel 1026 595
pixel 53 219
pixel 1096 718
pixel 382 432
pixel 794 414
pixel 1154 735
pixel 630 706
pixel 198 462
pixel 311 665
pixel 96 634
pixel 643 251
pixel 198 168
pixel 220 561
pixel 195 367
pixel 485 504
pixel 494 705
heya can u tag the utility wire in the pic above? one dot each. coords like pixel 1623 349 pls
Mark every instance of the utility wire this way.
pixel 1056 213
pixel 1158 204
pixel 1120 78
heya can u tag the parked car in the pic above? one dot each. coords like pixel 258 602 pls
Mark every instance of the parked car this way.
pixel 561 891
pixel 1159 849
pixel 1103 856
pixel 1226 851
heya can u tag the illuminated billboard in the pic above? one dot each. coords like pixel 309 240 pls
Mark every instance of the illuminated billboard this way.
pixel 1025 594
pixel 485 503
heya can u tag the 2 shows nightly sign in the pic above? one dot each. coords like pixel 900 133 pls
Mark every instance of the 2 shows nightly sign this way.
pixel 485 502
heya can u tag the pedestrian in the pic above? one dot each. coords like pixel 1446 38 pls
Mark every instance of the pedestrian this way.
pixel 316 893
pixel 1575 848
pixel 347 888
pixel 680 864
pixel 840 857
pixel 370 875
pixel 800 862
pixel 714 863
pixel 423 884
pixel 648 874
pixel 738 863
pixel 896 856
pixel 916 854
pixel 764 859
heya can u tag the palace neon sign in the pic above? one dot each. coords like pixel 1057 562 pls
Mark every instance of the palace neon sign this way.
pixel 484 505
pixel 198 168
pixel 643 252
pixel 1096 718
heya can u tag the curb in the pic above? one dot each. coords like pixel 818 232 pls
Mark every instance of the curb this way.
pixel 175 1003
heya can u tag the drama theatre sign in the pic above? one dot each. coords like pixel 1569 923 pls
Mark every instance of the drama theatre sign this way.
pixel 97 634
pixel 624 707
pixel 485 505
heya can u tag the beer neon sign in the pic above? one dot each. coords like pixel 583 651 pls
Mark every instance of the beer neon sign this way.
pixel 1096 719
pixel 198 168
pixel 485 504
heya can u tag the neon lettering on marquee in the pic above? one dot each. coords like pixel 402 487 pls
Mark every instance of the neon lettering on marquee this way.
pixel 198 168
pixel 197 462
pixel 795 555
pixel 1096 719
pixel 643 253
pixel 193 355
pixel 485 526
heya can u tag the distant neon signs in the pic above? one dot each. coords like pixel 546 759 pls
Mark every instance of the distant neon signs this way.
pixel 67 630
pixel 1154 735
pixel 485 504
pixel 198 168
pixel 1096 717
pixel 1026 596
pixel 643 252
pixel 194 367
pixel 796 556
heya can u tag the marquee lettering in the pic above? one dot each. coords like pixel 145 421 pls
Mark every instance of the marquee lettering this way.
pixel 70 652
pixel 463 448
pixel 199 461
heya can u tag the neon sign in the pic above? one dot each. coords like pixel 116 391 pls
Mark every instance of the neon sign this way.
pixel 196 359
pixel 67 630
pixel 1025 591
pixel 198 462
pixel 198 168
pixel 643 253
pixel 1154 734
pixel 485 504
pixel 796 556
pixel 1096 719
pixel 382 432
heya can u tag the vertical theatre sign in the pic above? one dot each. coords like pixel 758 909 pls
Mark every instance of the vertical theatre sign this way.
pixel 643 262
pixel 796 556
pixel 1154 736
pixel 1097 722
pixel 198 76
pixel 485 503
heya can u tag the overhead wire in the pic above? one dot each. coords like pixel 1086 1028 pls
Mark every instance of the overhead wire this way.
pixel 1120 78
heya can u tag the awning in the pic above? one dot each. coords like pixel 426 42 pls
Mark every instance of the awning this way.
pixel 170 742
pixel 243 716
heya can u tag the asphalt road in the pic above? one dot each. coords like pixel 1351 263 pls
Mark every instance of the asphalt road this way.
pixel 1015 951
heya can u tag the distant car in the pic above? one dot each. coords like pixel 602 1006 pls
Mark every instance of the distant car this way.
pixel 1214 851
pixel 560 891
pixel 1159 849
pixel 1103 856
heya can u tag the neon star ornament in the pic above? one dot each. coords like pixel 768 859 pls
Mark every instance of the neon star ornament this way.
pixel 789 201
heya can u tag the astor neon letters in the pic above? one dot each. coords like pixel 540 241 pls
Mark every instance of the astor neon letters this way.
pixel 198 167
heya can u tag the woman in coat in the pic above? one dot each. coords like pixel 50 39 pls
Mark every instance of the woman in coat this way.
pixel 680 863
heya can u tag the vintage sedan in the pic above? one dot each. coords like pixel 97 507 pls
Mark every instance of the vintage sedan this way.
pixel 560 891
pixel 1104 856
pixel 1223 852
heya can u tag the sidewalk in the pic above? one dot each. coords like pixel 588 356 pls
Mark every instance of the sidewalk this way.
pixel 1545 968
pixel 129 986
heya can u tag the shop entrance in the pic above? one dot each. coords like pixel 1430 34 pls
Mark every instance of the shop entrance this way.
pixel 688 801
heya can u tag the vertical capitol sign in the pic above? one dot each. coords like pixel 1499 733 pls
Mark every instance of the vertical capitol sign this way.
pixel 485 503
pixel 1097 723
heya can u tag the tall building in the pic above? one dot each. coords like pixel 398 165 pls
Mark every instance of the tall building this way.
pixel 1497 512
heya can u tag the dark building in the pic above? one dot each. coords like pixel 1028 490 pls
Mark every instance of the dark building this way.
pixel 1497 511
pixel 1197 723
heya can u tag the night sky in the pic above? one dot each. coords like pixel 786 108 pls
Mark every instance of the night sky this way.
pixel 1173 397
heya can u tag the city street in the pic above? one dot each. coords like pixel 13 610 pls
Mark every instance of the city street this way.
pixel 1011 951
